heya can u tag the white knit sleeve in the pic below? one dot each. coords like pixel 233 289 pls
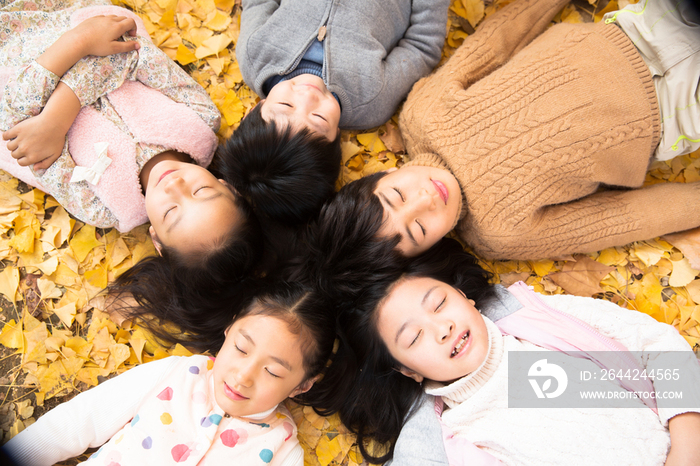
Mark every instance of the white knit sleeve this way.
pixel 640 332
pixel 88 420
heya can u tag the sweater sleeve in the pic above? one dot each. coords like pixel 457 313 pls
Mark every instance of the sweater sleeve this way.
pixel 420 441
pixel 640 332
pixel 500 37
pixel 88 420
pixel 595 222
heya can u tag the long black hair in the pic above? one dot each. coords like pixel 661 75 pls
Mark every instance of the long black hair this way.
pixel 196 292
pixel 343 237
pixel 363 384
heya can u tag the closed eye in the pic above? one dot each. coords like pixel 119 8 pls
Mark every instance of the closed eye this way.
pixel 320 116
pixel 199 189
pixel 422 228
pixel 286 104
pixel 167 212
pixel 240 349
pixel 440 305
pixel 416 339
pixel 274 375
pixel 400 194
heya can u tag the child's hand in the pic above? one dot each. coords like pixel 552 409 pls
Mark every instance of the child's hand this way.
pixel 35 141
pixel 100 35
pixel 685 431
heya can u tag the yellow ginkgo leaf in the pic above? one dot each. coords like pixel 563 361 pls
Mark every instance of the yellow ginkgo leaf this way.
pixel 27 228
pixel 219 22
pixel 212 46
pixel 83 242
pixel 232 109
pixel 371 141
pixel 197 35
pixel 11 335
pixel 682 274
pixel 474 10
pixel 66 314
pixel 9 280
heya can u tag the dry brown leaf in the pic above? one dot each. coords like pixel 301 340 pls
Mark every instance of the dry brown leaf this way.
pixel 392 138
pixel 582 277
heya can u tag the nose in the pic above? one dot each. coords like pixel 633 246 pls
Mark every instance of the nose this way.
pixel 244 375
pixel 175 185
pixel 422 202
pixel 444 330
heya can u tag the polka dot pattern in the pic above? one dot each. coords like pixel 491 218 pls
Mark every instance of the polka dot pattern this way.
pixel 266 455
pixel 166 395
pixel 180 452
pixel 162 431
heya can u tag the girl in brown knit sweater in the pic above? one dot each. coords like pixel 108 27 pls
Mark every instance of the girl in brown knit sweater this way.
pixel 518 138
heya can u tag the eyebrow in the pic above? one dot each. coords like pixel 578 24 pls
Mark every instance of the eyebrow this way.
pixel 427 295
pixel 408 230
pixel 280 361
pixel 179 217
pixel 405 324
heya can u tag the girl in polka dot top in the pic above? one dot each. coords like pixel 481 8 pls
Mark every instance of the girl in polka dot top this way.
pixel 199 410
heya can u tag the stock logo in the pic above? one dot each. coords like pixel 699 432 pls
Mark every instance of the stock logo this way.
pixel 541 369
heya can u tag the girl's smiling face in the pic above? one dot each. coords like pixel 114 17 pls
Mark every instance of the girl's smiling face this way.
pixel 432 330
pixel 421 204
pixel 259 365
pixel 189 209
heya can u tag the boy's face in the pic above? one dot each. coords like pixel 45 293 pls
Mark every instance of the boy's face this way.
pixel 189 209
pixel 420 204
pixel 259 366
pixel 432 330
pixel 303 102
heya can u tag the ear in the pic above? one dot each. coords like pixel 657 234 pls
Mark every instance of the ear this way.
pixel 231 188
pixel 305 386
pixel 156 241
pixel 411 375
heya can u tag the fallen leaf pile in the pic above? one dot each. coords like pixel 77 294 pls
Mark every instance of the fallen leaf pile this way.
pixel 58 339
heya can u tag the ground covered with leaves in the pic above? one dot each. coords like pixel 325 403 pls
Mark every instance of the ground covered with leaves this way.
pixel 57 339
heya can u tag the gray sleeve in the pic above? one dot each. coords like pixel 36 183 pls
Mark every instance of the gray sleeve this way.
pixel 420 442
pixel 413 57
pixel 254 15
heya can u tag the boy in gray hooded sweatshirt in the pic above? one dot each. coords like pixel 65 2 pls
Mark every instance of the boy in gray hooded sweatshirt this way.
pixel 330 64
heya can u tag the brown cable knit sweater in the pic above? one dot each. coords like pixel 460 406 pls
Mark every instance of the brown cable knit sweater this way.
pixel 531 132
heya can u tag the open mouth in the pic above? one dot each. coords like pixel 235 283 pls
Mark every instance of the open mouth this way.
pixel 460 344
pixel 442 190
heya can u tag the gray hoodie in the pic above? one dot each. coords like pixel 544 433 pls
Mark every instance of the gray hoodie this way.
pixel 374 50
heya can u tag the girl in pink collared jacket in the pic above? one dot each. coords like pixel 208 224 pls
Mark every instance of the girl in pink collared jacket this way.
pixel 436 325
